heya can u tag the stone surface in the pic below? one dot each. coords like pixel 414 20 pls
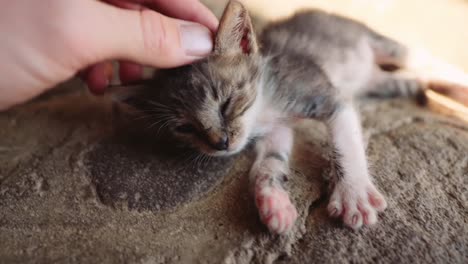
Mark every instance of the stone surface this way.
pixel 147 177
pixel 74 189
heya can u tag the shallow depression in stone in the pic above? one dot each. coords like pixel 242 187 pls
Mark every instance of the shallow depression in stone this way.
pixel 149 178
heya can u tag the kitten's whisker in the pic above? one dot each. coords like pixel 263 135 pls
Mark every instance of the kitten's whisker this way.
pixel 159 105
pixel 158 115
pixel 210 158
pixel 207 159
pixel 194 161
pixel 189 159
pixel 164 125
pixel 201 160
pixel 164 121
pixel 149 115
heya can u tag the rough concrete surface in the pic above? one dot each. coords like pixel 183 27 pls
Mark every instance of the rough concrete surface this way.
pixel 74 189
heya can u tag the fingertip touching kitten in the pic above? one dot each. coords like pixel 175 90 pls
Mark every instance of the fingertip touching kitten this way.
pixel 311 65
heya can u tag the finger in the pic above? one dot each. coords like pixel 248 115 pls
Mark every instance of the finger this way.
pixel 98 77
pixel 130 72
pixel 125 4
pixel 142 36
pixel 191 10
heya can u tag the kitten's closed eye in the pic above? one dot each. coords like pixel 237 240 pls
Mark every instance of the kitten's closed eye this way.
pixel 186 129
pixel 225 106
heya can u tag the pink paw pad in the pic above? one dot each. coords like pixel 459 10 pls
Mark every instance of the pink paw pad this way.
pixel 357 205
pixel 275 209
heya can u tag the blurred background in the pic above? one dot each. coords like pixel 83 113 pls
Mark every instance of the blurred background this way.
pixel 437 26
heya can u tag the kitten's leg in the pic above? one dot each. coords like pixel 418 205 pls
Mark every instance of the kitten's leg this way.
pixel 420 63
pixel 387 52
pixel 267 176
pixel 354 198
pixel 388 84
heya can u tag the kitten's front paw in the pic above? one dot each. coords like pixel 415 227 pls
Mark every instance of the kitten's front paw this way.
pixel 275 208
pixel 357 204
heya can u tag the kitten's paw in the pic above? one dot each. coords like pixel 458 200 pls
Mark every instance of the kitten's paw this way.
pixel 275 209
pixel 357 204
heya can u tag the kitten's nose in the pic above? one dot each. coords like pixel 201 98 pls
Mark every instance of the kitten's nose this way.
pixel 222 144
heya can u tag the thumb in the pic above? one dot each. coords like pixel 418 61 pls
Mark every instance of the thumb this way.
pixel 142 36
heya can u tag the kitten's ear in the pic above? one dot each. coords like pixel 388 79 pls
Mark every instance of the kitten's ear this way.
pixel 235 32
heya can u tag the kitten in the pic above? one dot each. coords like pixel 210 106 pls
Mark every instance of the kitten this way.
pixel 311 65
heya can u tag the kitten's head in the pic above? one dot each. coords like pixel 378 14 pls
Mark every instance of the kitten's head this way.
pixel 212 104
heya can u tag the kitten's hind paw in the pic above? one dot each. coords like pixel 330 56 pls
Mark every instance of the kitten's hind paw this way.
pixel 275 209
pixel 357 204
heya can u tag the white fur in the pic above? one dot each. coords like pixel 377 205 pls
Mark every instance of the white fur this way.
pixel 355 198
pixel 347 138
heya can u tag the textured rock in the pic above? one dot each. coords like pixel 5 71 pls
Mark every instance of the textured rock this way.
pixel 73 191
pixel 147 178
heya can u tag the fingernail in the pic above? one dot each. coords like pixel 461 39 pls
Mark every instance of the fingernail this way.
pixel 196 39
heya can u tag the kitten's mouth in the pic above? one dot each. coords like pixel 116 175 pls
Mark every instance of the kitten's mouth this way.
pixel 235 146
pixel 232 150
pixel 223 153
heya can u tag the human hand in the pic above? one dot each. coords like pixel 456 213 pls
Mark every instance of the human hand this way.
pixel 49 41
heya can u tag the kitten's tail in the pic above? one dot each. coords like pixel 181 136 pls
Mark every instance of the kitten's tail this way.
pixel 420 70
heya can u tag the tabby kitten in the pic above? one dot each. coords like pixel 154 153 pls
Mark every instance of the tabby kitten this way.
pixel 311 65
